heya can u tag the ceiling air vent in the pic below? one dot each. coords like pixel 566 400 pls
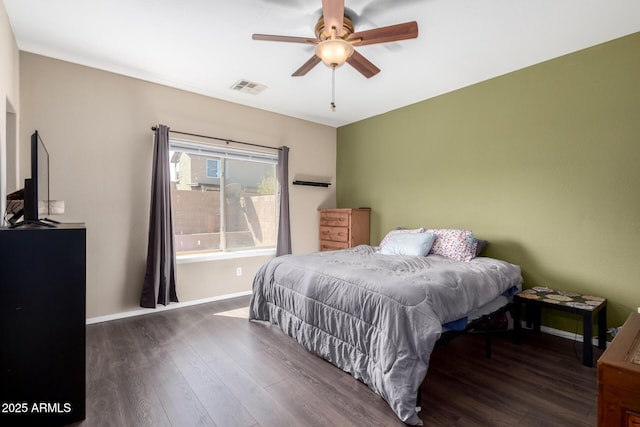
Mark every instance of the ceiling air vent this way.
pixel 248 87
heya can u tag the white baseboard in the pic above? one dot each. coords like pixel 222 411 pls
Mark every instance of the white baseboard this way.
pixel 141 312
pixel 564 334
pixel 160 308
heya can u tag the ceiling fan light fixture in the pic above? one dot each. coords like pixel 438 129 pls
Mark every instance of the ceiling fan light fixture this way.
pixel 334 52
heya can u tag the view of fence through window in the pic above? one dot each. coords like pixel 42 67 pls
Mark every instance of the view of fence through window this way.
pixel 222 201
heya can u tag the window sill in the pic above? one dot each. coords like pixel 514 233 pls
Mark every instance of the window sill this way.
pixel 213 256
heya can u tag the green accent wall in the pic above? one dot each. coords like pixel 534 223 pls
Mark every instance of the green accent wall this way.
pixel 542 162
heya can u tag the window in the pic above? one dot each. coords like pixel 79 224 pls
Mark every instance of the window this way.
pixel 213 168
pixel 222 199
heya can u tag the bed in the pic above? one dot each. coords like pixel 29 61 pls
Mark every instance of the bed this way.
pixel 378 315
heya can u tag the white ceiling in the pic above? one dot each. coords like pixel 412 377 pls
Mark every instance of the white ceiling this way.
pixel 205 46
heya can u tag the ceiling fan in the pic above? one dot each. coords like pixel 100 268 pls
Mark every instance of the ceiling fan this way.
pixel 335 40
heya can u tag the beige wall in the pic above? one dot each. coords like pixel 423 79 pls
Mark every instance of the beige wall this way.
pixel 542 162
pixel 9 103
pixel 96 126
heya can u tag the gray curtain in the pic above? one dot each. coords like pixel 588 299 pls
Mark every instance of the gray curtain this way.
pixel 283 246
pixel 160 276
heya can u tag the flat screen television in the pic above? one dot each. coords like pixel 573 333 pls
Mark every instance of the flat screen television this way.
pixel 36 188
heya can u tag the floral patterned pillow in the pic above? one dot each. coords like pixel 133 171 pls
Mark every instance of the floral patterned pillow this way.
pixel 385 241
pixel 455 244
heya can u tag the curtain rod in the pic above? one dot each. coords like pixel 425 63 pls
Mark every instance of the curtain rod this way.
pixel 226 140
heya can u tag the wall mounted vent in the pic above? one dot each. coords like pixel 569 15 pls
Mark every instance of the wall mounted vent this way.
pixel 247 86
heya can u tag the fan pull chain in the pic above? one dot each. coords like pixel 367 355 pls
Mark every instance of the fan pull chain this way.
pixel 333 88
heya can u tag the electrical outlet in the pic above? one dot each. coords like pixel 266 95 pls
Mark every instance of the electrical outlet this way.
pixel 638 309
pixel 239 271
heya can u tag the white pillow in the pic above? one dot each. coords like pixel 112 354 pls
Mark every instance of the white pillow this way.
pixel 416 244
pixel 400 231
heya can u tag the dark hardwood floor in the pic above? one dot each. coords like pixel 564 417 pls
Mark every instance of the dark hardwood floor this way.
pixel 206 365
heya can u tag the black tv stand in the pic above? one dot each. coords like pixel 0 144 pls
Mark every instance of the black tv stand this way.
pixel 42 325
pixel 52 221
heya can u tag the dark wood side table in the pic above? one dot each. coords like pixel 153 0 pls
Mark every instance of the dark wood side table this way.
pixel 585 305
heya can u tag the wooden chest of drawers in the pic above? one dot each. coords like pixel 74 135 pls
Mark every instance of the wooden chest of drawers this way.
pixel 343 228
pixel 619 378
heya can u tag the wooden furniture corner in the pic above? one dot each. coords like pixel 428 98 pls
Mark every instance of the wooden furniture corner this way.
pixel 619 378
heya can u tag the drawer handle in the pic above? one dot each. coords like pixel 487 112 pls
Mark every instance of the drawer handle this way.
pixel 328 218
pixel 339 233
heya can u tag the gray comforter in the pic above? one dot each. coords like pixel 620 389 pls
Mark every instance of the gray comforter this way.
pixel 375 316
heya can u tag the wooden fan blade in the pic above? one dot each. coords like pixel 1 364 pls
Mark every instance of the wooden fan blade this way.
pixel 363 65
pixel 307 66
pixel 408 30
pixel 288 39
pixel 333 13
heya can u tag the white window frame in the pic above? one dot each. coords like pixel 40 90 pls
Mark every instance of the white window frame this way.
pixel 222 152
